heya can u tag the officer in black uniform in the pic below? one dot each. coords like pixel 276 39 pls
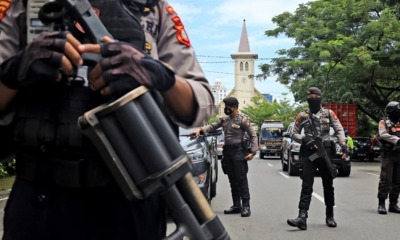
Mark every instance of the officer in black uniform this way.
pixel 63 190
pixel 389 137
pixel 322 119
pixel 235 153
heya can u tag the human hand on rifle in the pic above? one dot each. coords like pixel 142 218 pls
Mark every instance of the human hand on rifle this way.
pixel 309 142
pixel 123 68
pixel 47 58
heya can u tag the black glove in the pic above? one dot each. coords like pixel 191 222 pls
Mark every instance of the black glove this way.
pixel 125 68
pixel 345 149
pixel 40 60
pixel 308 142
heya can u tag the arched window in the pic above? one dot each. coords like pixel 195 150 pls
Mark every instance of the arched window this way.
pixel 247 66
pixel 241 66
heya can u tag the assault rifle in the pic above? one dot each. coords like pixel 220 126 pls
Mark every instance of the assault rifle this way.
pixel 142 151
pixel 321 152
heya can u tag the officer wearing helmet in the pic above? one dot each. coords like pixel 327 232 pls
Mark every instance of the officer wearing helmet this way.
pixel 389 179
pixel 320 119
pixel 63 189
pixel 235 153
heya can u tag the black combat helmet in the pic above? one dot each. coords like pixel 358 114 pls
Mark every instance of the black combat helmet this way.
pixel 393 111
pixel 231 102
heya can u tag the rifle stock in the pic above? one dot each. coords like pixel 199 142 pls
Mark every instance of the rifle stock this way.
pixel 142 151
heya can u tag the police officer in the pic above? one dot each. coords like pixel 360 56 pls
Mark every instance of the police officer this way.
pixel 322 119
pixel 235 153
pixel 389 180
pixel 63 190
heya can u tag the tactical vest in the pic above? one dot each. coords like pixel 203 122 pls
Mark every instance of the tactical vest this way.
pixel 387 146
pixel 47 114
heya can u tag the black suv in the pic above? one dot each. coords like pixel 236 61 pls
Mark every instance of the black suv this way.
pixel 363 149
pixel 202 150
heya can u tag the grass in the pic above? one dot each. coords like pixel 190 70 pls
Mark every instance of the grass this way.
pixel 6 182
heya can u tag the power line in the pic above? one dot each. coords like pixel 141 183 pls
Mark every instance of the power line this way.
pixel 209 56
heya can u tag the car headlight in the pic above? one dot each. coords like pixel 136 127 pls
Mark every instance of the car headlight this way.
pixel 295 147
pixel 198 155
pixel 201 178
pixel 263 147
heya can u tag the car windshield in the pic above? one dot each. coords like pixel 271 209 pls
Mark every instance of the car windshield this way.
pixel 267 133
pixel 185 131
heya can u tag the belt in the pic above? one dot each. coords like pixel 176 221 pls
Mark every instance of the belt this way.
pixel 233 146
pixel 72 172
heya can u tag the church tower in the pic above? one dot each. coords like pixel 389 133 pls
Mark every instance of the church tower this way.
pixel 244 89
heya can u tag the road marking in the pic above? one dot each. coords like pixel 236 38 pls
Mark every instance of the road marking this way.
pixel 286 176
pixel 2 199
pixel 269 164
pixel 318 197
pixel 373 174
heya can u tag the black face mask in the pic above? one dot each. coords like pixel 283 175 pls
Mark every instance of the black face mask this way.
pixel 228 110
pixel 394 116
pixel 314 104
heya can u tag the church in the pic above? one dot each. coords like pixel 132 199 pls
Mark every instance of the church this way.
pixel 244 89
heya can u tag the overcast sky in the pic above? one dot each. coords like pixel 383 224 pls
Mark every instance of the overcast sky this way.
pixel 214 28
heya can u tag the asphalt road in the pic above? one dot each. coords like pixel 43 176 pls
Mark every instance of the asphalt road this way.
pixel 274 198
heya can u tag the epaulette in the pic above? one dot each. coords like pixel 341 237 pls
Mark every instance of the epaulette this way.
pixel 304 113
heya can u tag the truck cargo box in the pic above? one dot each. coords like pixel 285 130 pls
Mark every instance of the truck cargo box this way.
pixel 347 114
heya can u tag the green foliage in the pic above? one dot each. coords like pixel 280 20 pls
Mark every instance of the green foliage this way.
pixel 7 168
pixel 213 118
pixel 277 110
pixel 348 48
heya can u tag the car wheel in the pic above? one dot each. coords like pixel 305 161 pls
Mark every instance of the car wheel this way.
pixel 261 155
pixel 284 166
pixel 214 184
pixel 291 168
pixel 345 171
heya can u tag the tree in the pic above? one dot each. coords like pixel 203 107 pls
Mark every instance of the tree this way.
pixel 277 110
pixel 348 48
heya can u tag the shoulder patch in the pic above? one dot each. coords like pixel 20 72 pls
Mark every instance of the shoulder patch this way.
pixel 333 114
pixel 181 34
pixel 4 6
pixel 300 116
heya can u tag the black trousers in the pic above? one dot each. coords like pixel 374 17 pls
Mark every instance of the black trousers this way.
pixel 308 174
pixel 34 211
pixel 236 168
pixel 389 180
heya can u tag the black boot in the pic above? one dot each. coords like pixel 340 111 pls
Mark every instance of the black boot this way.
pixel 330 221
pixel 381 206
pixel 393 207
pixel 236 208
pixel 245 209
pixel 300 221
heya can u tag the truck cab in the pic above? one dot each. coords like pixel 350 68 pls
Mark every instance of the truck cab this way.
pixel 270 139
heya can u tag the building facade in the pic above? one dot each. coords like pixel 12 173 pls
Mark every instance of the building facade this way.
pixel 219 91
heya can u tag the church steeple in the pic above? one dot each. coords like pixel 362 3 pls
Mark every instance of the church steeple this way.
pixel 244 45
pixel 244 70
